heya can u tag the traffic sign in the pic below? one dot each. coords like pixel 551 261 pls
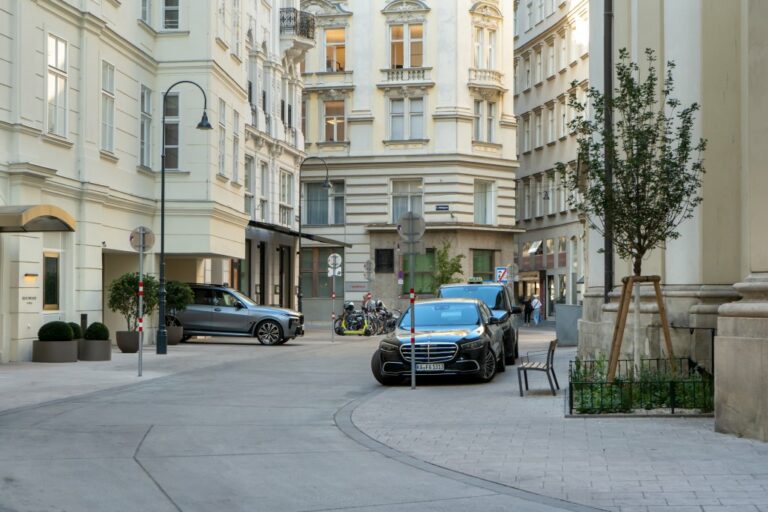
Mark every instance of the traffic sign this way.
pixel 334 260
pixel 334 272
pixel 411 226
pixel 502 275
pixel 135 239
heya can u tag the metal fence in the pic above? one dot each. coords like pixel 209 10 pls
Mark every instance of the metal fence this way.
pixel 294 21
pixel 657 385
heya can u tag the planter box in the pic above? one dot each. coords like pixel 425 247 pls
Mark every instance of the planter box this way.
pixel 94 350
pixel 174 334
pixel 127 341
pixel 54 351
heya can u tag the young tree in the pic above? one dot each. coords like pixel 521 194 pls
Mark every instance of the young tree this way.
pixel 657 165
pixel 446 267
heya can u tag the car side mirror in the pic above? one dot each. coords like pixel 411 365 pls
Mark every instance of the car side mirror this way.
pixel 516 310
pixel 239 305
pixel 493 321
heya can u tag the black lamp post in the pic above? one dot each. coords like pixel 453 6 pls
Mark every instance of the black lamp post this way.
pixel 327 185
pixel 162 334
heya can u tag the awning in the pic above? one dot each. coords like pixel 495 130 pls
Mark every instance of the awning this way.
pixel 288 231
pixel 534 247
pixel 41 217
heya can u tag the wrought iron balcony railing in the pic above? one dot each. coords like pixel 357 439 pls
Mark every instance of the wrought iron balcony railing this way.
pixel 296 22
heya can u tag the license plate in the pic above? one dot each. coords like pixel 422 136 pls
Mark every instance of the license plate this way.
pixel 430 367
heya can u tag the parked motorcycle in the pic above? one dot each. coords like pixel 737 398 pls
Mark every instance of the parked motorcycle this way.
pixel 353 322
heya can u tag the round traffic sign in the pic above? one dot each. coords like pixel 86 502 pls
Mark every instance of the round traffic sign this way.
pixel 334 260
pixel 136 236
pixel 411 226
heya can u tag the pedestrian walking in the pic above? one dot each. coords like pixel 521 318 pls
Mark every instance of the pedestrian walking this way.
pixel 527 310
pixel 536 306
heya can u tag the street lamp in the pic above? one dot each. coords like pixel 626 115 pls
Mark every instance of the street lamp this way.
pixel 326 185
pixel 162 334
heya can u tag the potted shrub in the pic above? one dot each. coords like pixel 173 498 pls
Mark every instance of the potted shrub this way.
pixel 124 299
pixel 54 344
pixel 77 331
pixel 96 345
pixel 178 296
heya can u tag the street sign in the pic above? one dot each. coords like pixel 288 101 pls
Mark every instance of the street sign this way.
pixel 334 272
pixel 502 275
pixel 334 260
pixel 442 207
pixel 411 226
pixel 135 239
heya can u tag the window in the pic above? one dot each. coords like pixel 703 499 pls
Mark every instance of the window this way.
pixel 527 66
pixel 550 245
pixel 527 200
pixel 483 202
pixel 527 133
pixel 563 50
pixel 249 185
pixel 551 58
pixel 550 6
pixel 562 288
pixel 315 281
pixel 406 125
pixel 145 128
pixel 286 198
pixel 304 117
pixel 488 122
pixel 335 49
pixel 222 137
pixel 477 127
pixel 264 190
pixel 51 281
pixel 539 10
pixel 385 261
pixel 424 272
pixel 491 64
pixel 171 14
pixel 537 120
pixel 324 206
pixel 222 19
pixel 551 123
pixel 397 119
pixel 479 43
pixel 482 264
pixel 538 76
pixel 529 16
pixel 236 31
pixel 107 107
pixel 561 200
pixel 171 132
pixel 406 46
pixel 551 194
pixel 490 133
pixel 57 86
pixel 561 244
pixel 334 121
pixel 235 147
pixel 146 11
pixel 563 118
pixel 406 196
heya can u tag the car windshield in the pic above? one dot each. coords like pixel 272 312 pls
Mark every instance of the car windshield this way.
pixel 442 314
pixel 493 296
pixel 244 298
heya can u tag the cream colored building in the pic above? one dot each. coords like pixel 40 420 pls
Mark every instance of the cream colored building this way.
pixel 720 50
pixel 409 103
pixel 81 108
pixel 551 52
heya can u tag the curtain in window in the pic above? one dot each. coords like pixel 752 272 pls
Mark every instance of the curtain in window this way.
pixel 481 202
pixel 317 204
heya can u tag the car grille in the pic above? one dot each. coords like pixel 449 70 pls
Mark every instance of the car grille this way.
pixel 430 352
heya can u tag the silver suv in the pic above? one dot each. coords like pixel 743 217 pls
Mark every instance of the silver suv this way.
pixel 222 311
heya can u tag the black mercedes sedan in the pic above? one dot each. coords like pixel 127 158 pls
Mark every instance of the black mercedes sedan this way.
pixel 452 337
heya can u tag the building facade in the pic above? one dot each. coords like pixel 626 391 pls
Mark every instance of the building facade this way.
pixel 84 123
pixel 551 54
pixel 715 275
pixel 408 103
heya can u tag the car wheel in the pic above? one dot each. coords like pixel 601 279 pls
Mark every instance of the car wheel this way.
pixel 268 332
pixel 501 364
pixel 384 380
pixel 510 354
pixel 488 366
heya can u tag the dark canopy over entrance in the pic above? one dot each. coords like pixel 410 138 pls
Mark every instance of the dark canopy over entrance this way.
pixel 42 217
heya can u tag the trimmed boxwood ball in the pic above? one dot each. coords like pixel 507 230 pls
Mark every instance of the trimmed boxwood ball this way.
pixel 77 332
pixel 97 331
pixel 55 331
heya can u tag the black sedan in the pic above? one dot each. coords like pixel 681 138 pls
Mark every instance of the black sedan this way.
pixel 452 337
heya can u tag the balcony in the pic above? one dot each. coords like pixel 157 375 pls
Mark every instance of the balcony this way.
pixel 297 31
pixel 484 79
pixel 406 77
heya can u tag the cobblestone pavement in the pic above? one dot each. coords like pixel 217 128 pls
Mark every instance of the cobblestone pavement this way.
pixel 618 464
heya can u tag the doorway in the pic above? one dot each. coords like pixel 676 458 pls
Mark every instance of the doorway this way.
pixel 286 277
pixel 261 289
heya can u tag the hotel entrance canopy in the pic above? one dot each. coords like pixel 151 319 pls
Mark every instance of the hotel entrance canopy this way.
pixel 35 218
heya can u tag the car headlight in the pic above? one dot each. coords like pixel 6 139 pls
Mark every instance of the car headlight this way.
pixel 473 345
pixel 388 347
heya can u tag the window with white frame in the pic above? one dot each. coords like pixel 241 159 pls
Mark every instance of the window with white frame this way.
pixel 334 121
pixel 477 126
pixel 145 128
pixel 324 206
pixel 517 20
pixel 484 121
pixel 490 118
pixel 527 133
pixel 264 192
pixel 538 78
pixel 551 58
pixel 563 117
pixel 527 68
pixel 235 146
pixel 406 118
pixel 483 199
pixel 171 134
pixel 335 49
pixel 407 195
pixel 537 125
pixel 286 198
pixel 550 6
pixel 563 49
pixel 107 107
pixel 527 200
pixel 551 123
pixel 491 62
pixel 236 30
pixel 479 44
pixel 538 193
pixel 406 48
pixel 171 14
pixel 529 16
pixel 57 86
pixel 222 137
pixel 539 10
pixel 249 187
pixel 561 192
pixel 222 19
pixel 146 11
pixel 551 193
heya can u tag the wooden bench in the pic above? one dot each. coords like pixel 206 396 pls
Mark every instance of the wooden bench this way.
pixel 547 366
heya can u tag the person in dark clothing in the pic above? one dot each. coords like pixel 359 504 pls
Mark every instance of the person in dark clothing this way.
pixel 527 311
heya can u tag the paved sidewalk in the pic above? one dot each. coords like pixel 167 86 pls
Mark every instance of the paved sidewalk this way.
pixel 619 464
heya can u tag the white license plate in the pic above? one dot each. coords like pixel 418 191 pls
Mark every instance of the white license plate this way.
pixel 430 367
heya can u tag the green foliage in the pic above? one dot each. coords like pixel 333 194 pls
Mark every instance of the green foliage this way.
pixel 77 332
pixel 178 296
pixel 55 331
pixel 124 297
pixel 97 331
pixel 657 165
pixel 446 267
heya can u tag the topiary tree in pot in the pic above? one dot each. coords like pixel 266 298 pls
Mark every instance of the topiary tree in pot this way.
pixel 54 344
pixel 124 299
pixel 77 331
pixel 96 345
pixel 178 296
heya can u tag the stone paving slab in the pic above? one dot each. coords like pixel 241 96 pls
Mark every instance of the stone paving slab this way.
pixel 619 464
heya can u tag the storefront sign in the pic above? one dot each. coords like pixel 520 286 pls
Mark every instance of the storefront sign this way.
pixel 356 286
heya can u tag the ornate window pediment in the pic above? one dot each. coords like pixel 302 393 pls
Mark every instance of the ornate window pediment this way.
pixel 486 14
pixel 327 13
pixel 405 11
